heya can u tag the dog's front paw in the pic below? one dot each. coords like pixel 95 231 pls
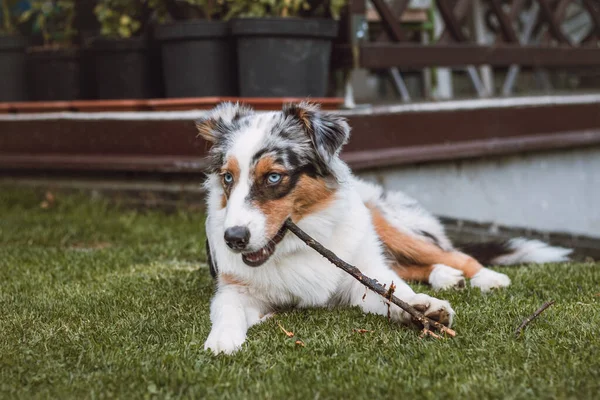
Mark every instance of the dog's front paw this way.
pixel 445 277
pixel 436 309
pixel 225 341
pixel 486 280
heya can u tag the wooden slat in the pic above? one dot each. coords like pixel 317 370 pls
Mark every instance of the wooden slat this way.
pixel 593 9
pixel 477 148
pixel 408 16
pixel 460 12
pixel 383 55
pixel 88 163
pixel 515 9
pixel 553 19
pixel 389 21
pixel 506 28
pixel 357 6
pixel 174 104
pixel 590 39
pixel 398 10
pixel 560 10
pixel 453 23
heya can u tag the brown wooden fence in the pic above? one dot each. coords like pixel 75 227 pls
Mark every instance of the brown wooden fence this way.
pixel 457 45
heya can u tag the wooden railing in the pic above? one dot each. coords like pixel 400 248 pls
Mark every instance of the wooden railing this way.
pixel 457 45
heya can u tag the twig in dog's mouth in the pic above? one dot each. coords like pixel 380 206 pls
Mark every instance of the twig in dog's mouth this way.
pixel 370 283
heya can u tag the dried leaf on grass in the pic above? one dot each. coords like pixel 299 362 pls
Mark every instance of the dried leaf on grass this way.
pixel 287 333
pixel 290 334
pixel 49 200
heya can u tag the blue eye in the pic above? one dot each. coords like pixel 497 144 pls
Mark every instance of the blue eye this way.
pixel 274 178
pixel 228 178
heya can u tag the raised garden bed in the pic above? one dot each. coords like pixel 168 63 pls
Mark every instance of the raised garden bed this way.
pixel 182 104
pixel 385 136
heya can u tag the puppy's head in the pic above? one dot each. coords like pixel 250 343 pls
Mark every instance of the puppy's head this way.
pixel 269 167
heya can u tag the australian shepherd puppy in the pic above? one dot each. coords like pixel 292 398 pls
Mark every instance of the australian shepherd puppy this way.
pixel 267 167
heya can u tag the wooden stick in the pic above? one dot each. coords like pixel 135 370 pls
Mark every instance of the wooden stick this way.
pixel 533 316
pixel 370 283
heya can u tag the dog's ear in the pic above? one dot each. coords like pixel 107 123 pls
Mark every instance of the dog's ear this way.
pixel 218 121
pixel 328 132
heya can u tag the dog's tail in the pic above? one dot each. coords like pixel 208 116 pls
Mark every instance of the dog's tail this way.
pixel 515 251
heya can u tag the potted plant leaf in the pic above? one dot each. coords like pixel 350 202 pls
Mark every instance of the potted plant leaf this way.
pixel 284 46
pixel 121 53
pixel 198 52
pixel 53 65
pixel 12 55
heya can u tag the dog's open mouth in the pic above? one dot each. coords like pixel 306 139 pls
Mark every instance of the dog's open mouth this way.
pixel 259 257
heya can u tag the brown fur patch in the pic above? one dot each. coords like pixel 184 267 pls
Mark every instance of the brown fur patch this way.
pixel 264 166
pixel 233 167
pixel 413 251
pixel 311 195
pixel 223 201
pixel 206 129
pixel 276 211
pixel 301 113
pixel 230 279
pixel 467 264
pixel 308 196
pixel 415 273
pixel 404 247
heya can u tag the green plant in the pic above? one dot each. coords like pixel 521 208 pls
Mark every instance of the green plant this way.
pixel 54 19
pixel 8 24
pixel 190 9
pixel 122 18
pixel 284 8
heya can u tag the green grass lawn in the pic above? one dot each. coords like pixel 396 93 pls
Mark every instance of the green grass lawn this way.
pixel 102 302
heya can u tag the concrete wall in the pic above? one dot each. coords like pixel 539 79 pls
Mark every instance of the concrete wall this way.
pixel 558 192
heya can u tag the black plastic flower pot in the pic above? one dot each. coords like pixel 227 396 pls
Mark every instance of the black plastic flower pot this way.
pixel 198 59
pixel 54 74
pixel 122 68
pixel 281 57
pixel 12 68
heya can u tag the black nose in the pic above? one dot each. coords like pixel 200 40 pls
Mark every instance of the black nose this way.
pixel 237 237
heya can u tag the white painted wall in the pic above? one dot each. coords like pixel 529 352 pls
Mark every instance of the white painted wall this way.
pixel 558 192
